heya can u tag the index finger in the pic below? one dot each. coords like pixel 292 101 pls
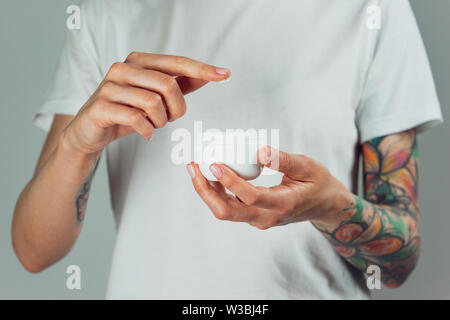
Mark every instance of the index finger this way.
pixel 179 66
pixel 262 197
pixel 223 205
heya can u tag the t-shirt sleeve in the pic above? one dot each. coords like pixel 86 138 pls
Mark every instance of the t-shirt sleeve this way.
pixel 78 73
pixel 399 91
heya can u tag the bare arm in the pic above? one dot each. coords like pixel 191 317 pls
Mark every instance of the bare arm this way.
pixel 141 94
pixel 45 227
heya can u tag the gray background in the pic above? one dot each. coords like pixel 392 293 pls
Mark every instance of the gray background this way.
pixel 31 38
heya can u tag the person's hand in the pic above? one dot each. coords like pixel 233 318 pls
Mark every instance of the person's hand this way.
pixel 307 192
pixel 138 95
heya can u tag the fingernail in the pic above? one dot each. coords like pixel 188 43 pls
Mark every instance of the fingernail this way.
pixel 216 171
pixel 191 170
pixel 222 71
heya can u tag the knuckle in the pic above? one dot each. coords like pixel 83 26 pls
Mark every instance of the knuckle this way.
pixel 133 56
pixel 200 188
pixel 158 122
pixel 204 69
pixel 169 84
pixel 117 68
pixel 263 226
pixel 97 108
pixel 182 109
pixel 181 60
pixel 231 182
pixel 161 123
pixel 107 87
pixel 164 118
pixel 135 117
pixel 222 213
pixel 178 112
pixel 99 104
pixel 152 100
pixel 157 100
pixel 155 109
pixel 269 223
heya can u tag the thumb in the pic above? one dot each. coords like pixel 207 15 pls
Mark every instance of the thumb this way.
pixel 295 166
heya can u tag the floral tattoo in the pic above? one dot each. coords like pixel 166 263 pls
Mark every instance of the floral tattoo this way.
pixel 382 228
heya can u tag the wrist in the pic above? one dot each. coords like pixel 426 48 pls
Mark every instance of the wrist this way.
pixel 65 148
pixel 339 201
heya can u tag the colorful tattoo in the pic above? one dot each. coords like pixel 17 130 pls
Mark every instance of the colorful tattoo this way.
pixel 383 228
pixel 82 196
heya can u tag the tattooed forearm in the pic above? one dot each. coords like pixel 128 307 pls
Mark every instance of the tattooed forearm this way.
pixel 382 229
pixel 82 196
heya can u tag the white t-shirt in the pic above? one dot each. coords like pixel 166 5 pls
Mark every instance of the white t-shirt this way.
pixel 311 68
